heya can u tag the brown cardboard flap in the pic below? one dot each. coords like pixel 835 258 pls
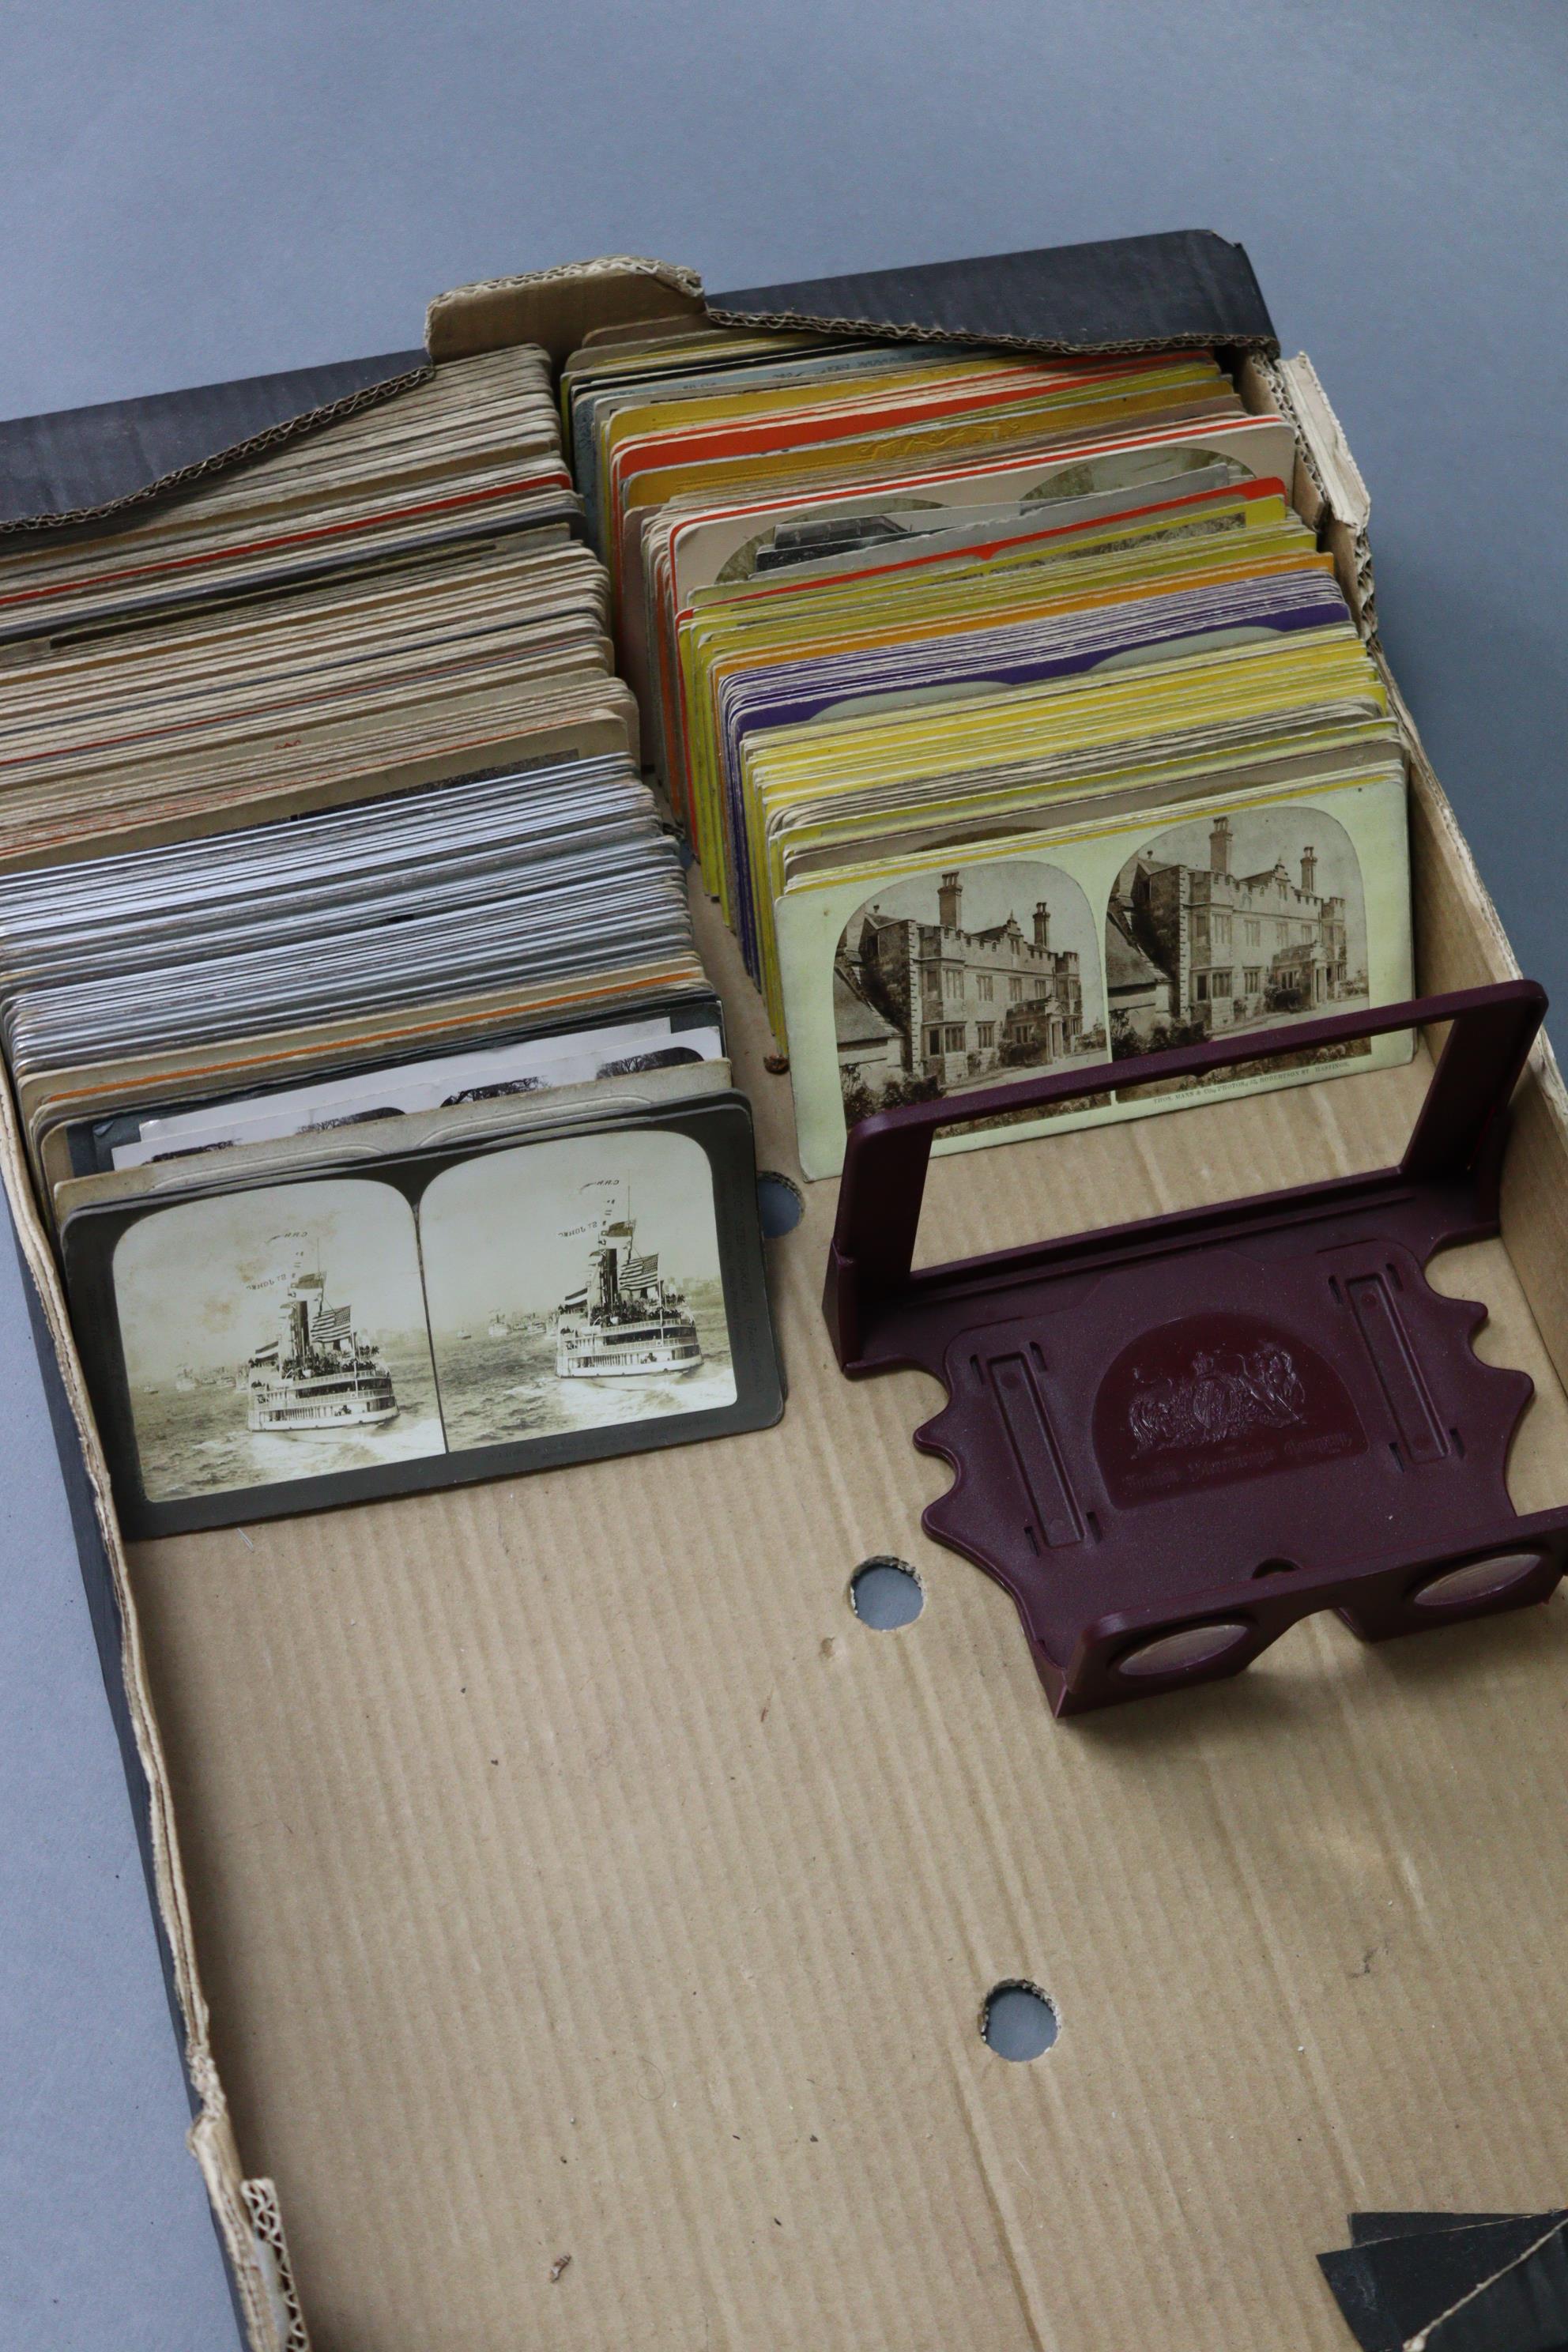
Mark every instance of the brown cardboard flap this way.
pixel 556 308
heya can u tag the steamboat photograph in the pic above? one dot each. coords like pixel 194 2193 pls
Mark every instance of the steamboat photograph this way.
pixel 572 1286
pixel 275 1335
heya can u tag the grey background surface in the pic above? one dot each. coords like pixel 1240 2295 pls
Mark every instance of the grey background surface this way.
pixel 198 191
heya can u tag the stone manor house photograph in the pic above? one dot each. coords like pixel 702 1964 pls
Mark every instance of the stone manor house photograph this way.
pixel 987 972
pixel 1256 920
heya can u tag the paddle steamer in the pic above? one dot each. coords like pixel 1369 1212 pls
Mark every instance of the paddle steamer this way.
pixel 626 1320
pixel 318 1372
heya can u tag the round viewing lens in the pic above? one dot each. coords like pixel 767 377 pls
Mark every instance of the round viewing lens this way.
pixel 1478 1579
pixel 1193 1645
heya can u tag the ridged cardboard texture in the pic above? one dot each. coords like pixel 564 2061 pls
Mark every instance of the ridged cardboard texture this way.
pixel 577 1875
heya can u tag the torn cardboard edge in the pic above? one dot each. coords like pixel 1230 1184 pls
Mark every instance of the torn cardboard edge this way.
pixel 1176 290
pixel 552 305
pixel 1183 289
pixel 1180 289
pixel 71 472
pixel 112 1613
pixel 277 2270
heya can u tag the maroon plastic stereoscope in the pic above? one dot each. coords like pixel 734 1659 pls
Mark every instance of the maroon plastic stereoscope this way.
pixel 1172 1439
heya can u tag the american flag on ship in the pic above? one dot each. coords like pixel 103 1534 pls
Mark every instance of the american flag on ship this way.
pixel 331 1323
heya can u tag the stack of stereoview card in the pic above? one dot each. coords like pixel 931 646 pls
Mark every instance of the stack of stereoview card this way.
pixel 366 1066
pixel 1017 721
pixel 391 599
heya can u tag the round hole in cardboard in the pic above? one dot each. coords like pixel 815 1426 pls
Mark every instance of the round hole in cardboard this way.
pixel 1478 1579
pixel 886 1593
pixel 781 1203
pixel 1019 2022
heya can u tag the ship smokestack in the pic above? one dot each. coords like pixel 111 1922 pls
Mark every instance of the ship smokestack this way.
pixel 293 1337
pixel 602 1285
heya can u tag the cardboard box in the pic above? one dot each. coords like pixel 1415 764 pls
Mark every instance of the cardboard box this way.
pixel 558 1868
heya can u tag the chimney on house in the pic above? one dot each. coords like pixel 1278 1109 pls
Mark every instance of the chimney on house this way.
pixel 1219 846
pixel 1309 872
pixel 949 902
pixel 1042 925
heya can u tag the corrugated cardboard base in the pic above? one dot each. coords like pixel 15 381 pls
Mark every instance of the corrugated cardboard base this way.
pixel 573 1874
